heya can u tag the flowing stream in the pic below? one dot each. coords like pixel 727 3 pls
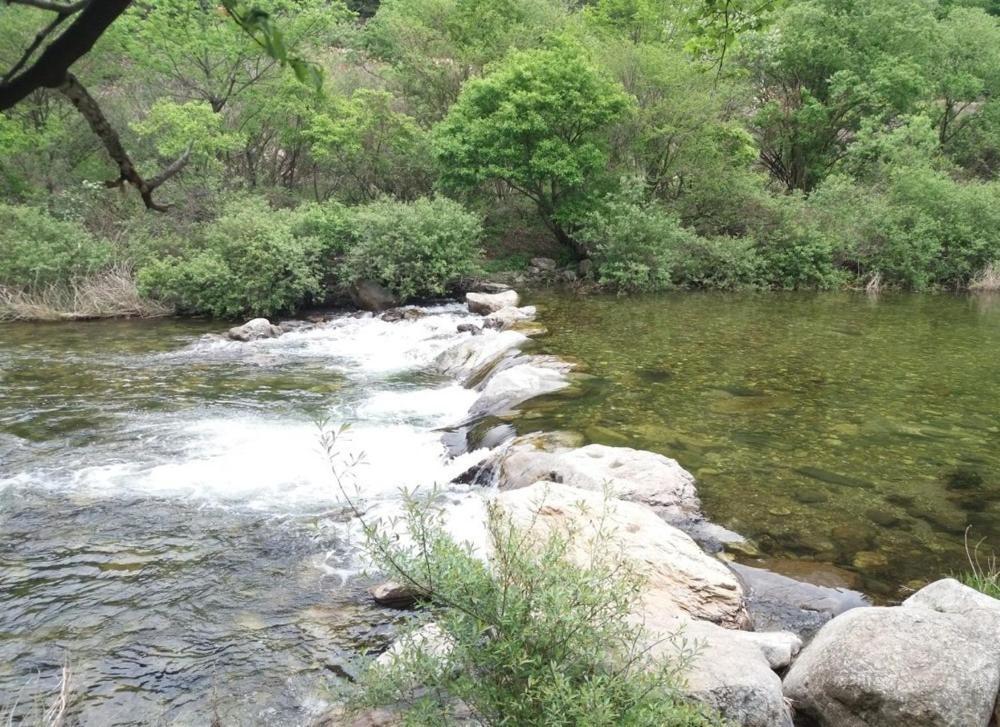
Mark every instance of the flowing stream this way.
pixel 169 523
pixel 170 527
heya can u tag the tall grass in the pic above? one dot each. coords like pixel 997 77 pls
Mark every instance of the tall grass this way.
pixel 984 572
pixel 987 280
pixel 111 293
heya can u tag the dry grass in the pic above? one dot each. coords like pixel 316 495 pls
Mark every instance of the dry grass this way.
pixel 39 714
pixel 987 280
pixel 109 294
pixel 874 286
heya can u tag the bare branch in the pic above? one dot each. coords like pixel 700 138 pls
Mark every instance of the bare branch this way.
pixel 54 7
pixel 88 107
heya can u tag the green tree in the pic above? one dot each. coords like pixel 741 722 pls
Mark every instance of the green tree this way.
pixel 367 148
pixel 434 46
pixel 537 123
pixel 830 65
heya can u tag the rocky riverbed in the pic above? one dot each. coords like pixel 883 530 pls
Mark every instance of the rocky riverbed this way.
pixel 771 651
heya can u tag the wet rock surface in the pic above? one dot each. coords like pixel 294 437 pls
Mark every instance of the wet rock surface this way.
pixel 487 303
pixel 371 296
pixel 254 330
pixel 779 602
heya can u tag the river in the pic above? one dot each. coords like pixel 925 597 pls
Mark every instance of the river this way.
pixel 169 525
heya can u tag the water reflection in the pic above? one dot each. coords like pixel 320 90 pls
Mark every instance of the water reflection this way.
pixel 835 428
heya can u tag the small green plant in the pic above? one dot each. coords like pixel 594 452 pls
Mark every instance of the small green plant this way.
pixel 413 248
pixel 525 636
pixel 983 574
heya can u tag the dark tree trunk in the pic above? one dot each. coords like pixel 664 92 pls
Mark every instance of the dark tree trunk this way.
pixel 52 66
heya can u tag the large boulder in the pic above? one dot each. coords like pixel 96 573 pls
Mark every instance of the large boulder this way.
pixel 681 580
pixel 486 303
pixel 525 378
pixel 886 667
pixel 475 353
pixel 369 295
pixel 630 474
pixel 949 596
pixel 254 330
pixel 733 671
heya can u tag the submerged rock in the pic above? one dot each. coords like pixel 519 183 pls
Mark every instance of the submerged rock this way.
pixel 254 330
pixel 486 303
pixel 776 601
pixel 371 296
pixel 885 667
pixel 510 316
pixel 681 580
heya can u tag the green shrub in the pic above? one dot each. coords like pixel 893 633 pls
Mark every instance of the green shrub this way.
pixel 37 250
pixel 915 226
pixel 641 247
pixel 413 248
pixel 796 251
pixel 719 263
pixel 248 262
pixel 634 245
pixel 535 639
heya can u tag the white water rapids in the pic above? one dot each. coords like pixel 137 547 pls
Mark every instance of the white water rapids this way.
pixel 168 519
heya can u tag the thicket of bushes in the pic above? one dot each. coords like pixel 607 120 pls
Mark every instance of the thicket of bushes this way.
pixel 253 259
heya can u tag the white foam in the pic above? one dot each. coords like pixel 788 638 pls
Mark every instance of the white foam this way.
pixel 236 455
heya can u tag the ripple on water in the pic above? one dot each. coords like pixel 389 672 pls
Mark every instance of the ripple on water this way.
pixel 168 520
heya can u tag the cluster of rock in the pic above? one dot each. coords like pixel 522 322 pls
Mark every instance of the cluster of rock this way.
pixel 934 660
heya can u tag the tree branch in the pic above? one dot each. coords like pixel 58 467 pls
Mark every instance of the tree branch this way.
pixel 51 68
pixel 54 7
pixel 88 107
pixel 30 51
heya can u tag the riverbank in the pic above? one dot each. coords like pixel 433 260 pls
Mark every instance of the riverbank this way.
pixel 546 481
pixel 184 450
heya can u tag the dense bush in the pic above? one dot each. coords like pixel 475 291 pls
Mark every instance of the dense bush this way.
pixel 795 249
pixel 915 227
pixel 37 250
pixel 640 247
pixel 634 245
pixel 413 248
pixel 535 639
pixel 720 263
pixel 248 262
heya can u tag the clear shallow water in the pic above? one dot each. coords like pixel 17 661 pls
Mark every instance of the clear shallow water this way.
pixel 851 438
pixel 169 524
